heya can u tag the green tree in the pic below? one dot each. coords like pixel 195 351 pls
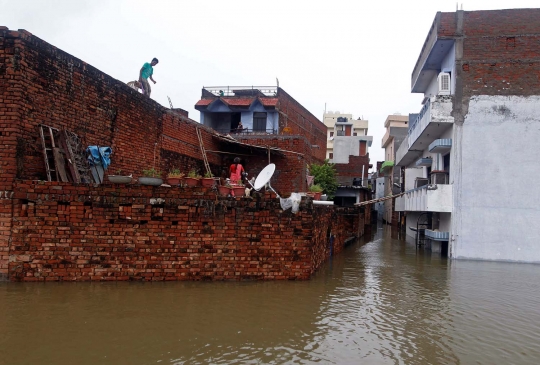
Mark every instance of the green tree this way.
pixel 325 176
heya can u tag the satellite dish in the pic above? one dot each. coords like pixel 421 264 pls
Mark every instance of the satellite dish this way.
pixel 264 177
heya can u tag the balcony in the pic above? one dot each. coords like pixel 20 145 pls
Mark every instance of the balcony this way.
pixel 433 120
pixel 245 131
pixel 429 198
pixel 437 235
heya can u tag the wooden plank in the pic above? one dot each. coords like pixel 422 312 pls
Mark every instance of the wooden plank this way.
pixel 60 165
pixel 47 169
pixel 69 156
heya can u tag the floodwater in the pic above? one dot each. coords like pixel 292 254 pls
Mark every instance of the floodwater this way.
pixel 379 302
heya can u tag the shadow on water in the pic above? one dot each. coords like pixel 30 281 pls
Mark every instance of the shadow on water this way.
pixel 380 301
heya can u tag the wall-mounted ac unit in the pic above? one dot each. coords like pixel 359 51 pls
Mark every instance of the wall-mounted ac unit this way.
pixel 340 133
pixel 444 83
pixel 420 181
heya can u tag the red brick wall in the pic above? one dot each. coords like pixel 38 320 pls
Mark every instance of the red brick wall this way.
pixel 11 110
pixel 41 84
pixel 346 172
pixel 68 232
pixel 501 55
pixel 293 115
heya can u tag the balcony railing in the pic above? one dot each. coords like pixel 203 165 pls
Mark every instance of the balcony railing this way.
pixel 433 119
pixel 429 198
pixel 241 90
pixel 245 131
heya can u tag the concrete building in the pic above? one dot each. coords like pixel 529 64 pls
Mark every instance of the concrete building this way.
pixel 396 131
pixel 348 148
pixel 468 148
pixel 340 125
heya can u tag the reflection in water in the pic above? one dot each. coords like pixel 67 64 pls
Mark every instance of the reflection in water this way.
pixel 379 302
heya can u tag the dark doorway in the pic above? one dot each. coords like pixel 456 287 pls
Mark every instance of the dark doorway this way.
pixel 446 163
pixel 235 120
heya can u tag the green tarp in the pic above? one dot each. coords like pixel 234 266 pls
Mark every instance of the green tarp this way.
pixel 386 164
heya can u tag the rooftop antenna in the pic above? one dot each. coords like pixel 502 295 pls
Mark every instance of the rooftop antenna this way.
pixel 277 82
pixel 263 179
pixel 170 102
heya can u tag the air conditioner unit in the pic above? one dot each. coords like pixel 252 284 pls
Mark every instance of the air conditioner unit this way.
pixel 444 83
pixel 340 133
pixel 420 181
pixel 439 177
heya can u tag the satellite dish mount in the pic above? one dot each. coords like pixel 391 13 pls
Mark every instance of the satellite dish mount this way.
pixel 263 179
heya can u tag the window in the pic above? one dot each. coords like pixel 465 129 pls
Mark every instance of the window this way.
pixel 259 122
pixel 331 134
pixel 355 134
pixel 331 155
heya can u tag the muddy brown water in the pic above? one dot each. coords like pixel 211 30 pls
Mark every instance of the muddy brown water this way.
pixel 379 302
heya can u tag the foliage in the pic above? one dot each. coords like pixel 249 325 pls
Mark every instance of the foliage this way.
pixel 208 174
pixel 325 177
pixel 193 173
pixel 151 173
pixel 315 188
pixel 175 173
pixel 119 172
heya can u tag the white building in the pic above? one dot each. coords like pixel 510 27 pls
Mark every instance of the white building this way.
pixel 338 127
pixel 470 156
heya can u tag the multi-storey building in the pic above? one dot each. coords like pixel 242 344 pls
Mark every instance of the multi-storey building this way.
pixel 396 131
pixel 469 156
pixel 348 148
pixel 343 125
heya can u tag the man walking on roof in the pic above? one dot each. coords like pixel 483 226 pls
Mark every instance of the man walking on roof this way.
pixel 146 72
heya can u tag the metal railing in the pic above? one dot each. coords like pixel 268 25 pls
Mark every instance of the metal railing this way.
pixel 246 131
pixel 241 90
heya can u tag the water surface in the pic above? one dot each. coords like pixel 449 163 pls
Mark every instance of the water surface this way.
pixel 379 302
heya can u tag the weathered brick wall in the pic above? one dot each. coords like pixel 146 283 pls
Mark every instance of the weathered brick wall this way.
pixel 11 105
pixel 291 175
pixel 293 115
pixel 79 232
pixel 41 84
pixel 347 172
pixel 501 55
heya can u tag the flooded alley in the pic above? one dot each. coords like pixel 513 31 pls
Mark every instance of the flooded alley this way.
pixel 379 302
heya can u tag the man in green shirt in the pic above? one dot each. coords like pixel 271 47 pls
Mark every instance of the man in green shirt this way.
pixel 146 72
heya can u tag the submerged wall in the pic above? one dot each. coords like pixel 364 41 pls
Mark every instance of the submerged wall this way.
pixel 63 231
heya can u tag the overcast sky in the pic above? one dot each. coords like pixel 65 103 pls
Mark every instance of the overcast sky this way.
pixel 354 56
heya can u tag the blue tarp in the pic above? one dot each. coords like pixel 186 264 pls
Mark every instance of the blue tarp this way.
pixel 99 156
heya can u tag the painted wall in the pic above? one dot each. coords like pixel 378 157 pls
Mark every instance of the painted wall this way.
pixel 495 216
pixel 411 173
pixel 348 146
